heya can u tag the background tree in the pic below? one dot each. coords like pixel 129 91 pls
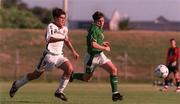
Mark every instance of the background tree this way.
pixel 14 3
pixel 123 24
pixel 15 18
pixel 43 14
pixel 16 14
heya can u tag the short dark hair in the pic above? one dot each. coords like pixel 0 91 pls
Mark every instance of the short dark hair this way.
pixel 57 12
pixel 97 15
pixel 172 39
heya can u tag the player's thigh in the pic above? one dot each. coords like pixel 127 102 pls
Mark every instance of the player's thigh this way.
pixel 110 67
pixel 66 67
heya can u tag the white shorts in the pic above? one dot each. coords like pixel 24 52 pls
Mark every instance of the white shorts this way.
pixel 49 61
pixel 91 62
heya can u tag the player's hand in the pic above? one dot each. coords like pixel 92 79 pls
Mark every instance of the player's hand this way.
pixel 107 48
pixel 174 63
pixel 76 55
pixel 106 44
pixel 66 39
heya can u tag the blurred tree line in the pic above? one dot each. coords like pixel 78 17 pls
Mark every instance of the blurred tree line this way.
pixel 17 14
pixel 124 24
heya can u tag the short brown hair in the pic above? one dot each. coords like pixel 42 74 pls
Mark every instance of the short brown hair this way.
pixel 57 12
pixel 172 39
pixel 97 15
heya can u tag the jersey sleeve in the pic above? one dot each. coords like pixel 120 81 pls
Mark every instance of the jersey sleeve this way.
pixel 176 54
pixel 50 31
pixel 93 36
pixel 53 31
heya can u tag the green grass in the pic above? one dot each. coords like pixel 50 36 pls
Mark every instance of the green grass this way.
pixel 88 93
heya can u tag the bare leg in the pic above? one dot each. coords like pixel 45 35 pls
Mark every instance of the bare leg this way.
pixel 82 76
pixel 177 77
pixel 67 68
pixel 19 83
pixel 27 78
pixel 110 67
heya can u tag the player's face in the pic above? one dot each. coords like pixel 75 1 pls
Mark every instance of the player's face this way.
pixel 100 22
pixel 60 21
pixel 173 43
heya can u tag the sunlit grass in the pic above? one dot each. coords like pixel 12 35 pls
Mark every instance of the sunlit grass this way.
pixel 88 93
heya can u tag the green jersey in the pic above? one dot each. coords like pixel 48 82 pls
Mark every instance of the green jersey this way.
pixel 94 34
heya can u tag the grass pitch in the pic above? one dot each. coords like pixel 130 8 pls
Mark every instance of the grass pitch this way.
pixel 88 93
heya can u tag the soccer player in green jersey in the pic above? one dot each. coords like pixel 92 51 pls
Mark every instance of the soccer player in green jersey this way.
pixel 95 56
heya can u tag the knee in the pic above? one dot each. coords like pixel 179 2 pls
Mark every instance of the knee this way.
pixel 114 71
pixel 177 75
pixel 177 78
pixel 69 71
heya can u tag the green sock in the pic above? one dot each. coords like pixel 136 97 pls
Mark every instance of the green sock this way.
pixel 78 76
pixel 114 83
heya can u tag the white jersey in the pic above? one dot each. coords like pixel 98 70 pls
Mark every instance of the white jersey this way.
pixel 55 32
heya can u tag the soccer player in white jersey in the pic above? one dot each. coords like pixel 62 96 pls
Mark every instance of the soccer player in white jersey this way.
pixel 56 36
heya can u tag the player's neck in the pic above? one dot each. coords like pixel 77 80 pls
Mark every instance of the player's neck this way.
pixel 173 47
pixel 59 26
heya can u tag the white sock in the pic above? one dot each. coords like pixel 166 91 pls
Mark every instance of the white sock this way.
pixel 62 85
pixel 21 81
pixel 115 92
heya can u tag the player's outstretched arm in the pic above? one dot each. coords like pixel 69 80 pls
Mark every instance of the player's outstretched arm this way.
pixel 70 46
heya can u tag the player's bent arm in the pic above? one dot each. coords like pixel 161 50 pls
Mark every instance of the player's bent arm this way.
pixel 106 43
pixel 52 40
pixel 100 47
